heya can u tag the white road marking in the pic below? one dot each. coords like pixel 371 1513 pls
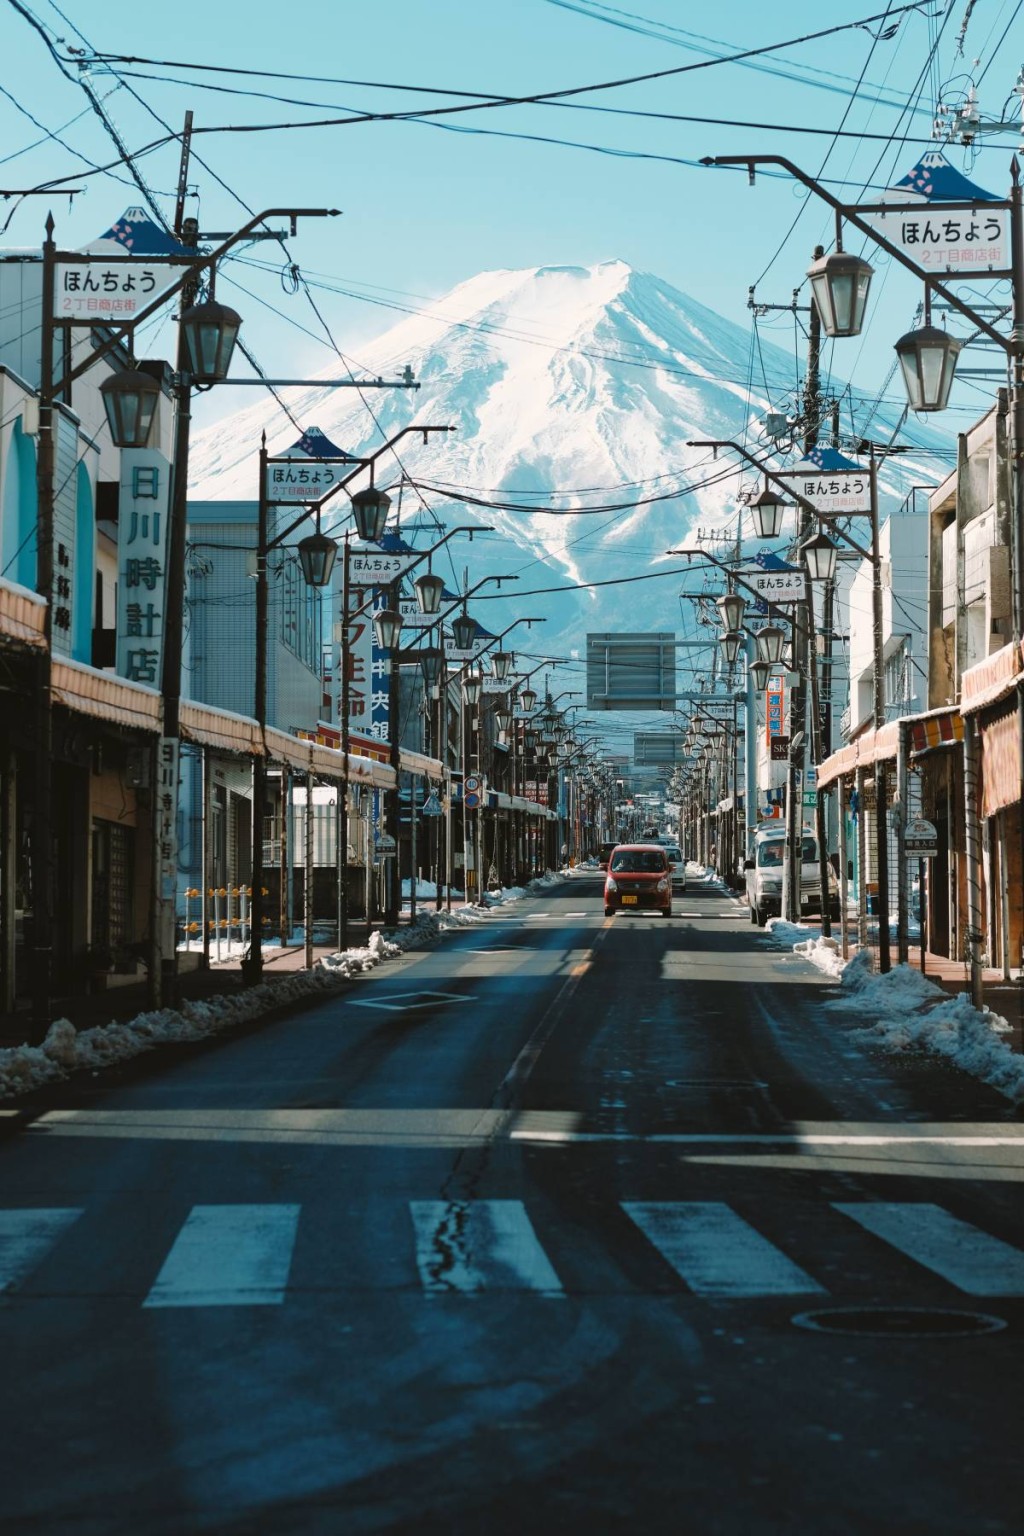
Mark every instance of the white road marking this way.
pixel 479 1245
pixel 26 1236
pixel 716 1252
pixel 229 1256
pixel 404 1002
pixel 973 1261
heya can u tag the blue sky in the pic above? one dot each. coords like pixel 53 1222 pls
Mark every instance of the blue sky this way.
pixel 425 207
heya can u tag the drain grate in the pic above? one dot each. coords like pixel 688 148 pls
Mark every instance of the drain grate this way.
pixel 899 1322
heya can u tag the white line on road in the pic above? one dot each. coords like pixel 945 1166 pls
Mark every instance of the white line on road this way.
pixel 229 1256
pixel 483 1245
pixel 716 1252
pixel 973 1261
pixel 25 1239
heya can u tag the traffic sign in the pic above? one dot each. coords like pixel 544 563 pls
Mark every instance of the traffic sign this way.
pixel 471 800
pixel 432 805
pixel 385 843
pixel 471 783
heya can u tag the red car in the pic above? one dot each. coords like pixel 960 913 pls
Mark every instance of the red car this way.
pixel 639 875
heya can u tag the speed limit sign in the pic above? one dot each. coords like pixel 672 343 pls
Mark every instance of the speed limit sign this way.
pixel 471 784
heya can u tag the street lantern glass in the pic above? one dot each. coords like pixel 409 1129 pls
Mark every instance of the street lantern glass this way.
pixel 429 590
pixel 387 626
pixel 129 399
pixel 730 608
pixel 370 509
pixel 501 661
pixel 432 664
pixel 464 631
pixel 819 555
pixel 502 719
pixel 472 687
pixel 528 699
pixel 770 641
pixel 760 671
pixel 210 331
pixel 840 283
pixel 316 556
pixel 769 510
pixel 928 362
pixel 730 643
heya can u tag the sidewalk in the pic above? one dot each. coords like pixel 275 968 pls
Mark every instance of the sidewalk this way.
pixel 195 984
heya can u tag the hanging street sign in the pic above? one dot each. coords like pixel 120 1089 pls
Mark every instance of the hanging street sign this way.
pixel 972 238
pixel 774 586
pixel 831 482
pixel 373 567
pixel 115 276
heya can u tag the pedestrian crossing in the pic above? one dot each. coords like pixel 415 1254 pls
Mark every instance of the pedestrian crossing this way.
pixel 242 1255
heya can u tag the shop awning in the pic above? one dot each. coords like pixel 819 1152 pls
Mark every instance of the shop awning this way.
pixel 105 696
pixel 219 730
pixel 990 680
pixel 938 728
pixel 326 762
pixel 876 746
pixel 419 764
pixel 21 616
pixel 1000 761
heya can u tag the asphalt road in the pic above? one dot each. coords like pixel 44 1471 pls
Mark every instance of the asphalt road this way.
pixel 511 1236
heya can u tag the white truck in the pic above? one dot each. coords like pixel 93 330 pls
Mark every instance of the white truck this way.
pixel 764 873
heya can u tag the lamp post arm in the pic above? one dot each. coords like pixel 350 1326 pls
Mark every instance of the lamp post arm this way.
pixel 844 211
pixel 805 506
pixel 371 458
pixel 194 267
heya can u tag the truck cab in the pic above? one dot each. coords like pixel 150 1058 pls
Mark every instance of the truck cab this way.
pixel 764 873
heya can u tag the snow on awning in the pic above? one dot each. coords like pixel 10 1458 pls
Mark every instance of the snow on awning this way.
pixel 420 765
pixel 104 696
pixel 326 762
pixel 22 616
pixel 219 730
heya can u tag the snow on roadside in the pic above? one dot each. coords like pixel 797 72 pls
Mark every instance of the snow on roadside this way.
pixel 66 1049
pixel 912 1013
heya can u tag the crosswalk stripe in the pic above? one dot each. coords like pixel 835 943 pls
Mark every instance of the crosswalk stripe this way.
pixel 716 1252
pixel 228 1255
pixel 482 1245
pixel 25 1239
pixel 973 1261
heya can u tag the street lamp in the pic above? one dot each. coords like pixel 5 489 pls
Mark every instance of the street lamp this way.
pixel 501 661
pixel 730 644
pixel 370 509
pixel 730 606
pixel 928 362
pixel 129 399
pixel 502 719
pixel 432 665
pixel 429 590
pixel 769 511
pixel 209 331
pixel 760 671
pixel 840 283
pixel 820 556
pixel 387 626
pixel 464 631
pixel 769 642
pixel 528 699
pixel 472 687
pixel 317 553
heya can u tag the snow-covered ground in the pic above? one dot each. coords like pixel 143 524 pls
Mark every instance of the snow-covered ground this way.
pixel 909 1012
pixel 66 1049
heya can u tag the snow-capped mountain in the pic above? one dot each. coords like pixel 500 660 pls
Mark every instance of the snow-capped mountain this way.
pixel 570 388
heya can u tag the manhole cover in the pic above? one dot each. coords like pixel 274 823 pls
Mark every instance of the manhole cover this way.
pixel 899 1322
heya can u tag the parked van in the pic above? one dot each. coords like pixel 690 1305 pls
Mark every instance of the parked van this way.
pixel 764 875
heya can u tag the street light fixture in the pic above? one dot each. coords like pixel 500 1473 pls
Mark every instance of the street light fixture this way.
pixel 432 664
pixel 429 590
pixel 317 554
pixel 528 699
pixel 472 687
pixel 840 283
pixel 464 631
pixel 730 644
pixel 503 719
pixel 769 510
pixel 370 509
pixel 820 555
pixel 760 672
pixel 730 607
pixel 129 399
pixel 501 661
pixel 769 641
pixel 928 362
pixel 209 331
pixel 387 626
